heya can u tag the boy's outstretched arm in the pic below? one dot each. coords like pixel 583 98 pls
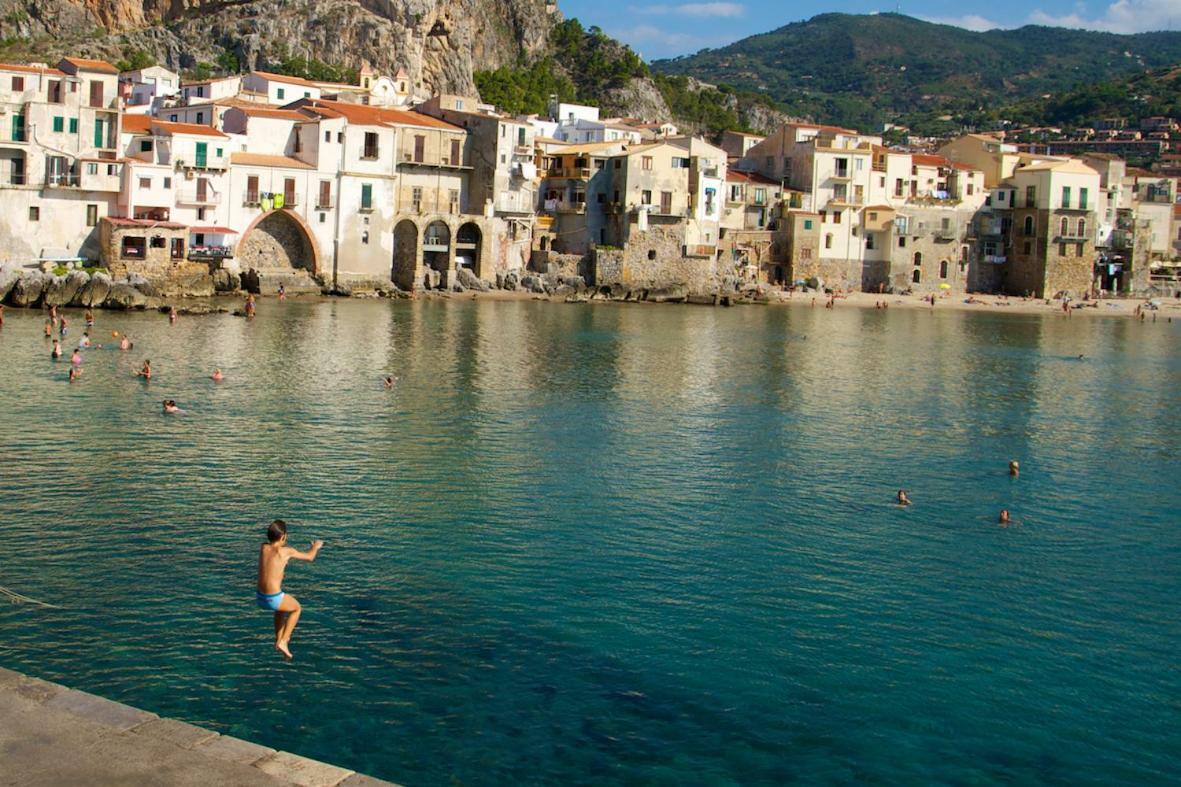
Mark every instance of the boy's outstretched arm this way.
pixel 310 555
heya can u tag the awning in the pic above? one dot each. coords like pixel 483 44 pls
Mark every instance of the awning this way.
pixel 213 230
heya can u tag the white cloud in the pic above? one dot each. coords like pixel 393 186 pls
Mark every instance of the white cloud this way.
pixel 692 9
pixel 647 34
pixel 969 22
pixel 1122 16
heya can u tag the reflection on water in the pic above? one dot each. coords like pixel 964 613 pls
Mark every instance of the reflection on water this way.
pixel 584 544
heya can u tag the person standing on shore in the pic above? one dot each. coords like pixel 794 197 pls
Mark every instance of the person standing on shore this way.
pixel 272 562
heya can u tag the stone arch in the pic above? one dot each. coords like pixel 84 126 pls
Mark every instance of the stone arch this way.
pixel 1028 225
pixel 468 245
pixel 917 276
pixel 1082 228
pixel 436 246
pixel 1065 226
pixel 279 239
pixel 405 264
pixel 943 269
pixel 918 258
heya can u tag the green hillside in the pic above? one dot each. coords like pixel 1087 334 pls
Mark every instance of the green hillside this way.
pixel 865 70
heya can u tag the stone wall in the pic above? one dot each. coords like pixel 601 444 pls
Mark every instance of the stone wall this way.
pixel 654 260
pixel 276 242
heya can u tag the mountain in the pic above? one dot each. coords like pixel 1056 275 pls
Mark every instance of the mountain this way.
pixel 438 42
pixel 862 70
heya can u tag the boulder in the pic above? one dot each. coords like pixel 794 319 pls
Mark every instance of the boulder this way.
pixel 26 291
pixel 432 278
pixel 457 287
pixel 8 276
pixel 64 289
pixel 575 283
pixel 142 284
pixel 224 281
pixel 471 281
pixel 674 294
pixel 512 280
pixel 95 292
pixel 340 288
pixel 124 296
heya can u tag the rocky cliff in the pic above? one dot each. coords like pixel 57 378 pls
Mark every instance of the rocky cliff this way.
pixel 438 42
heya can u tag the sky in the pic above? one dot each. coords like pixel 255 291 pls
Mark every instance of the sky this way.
pixel 666 28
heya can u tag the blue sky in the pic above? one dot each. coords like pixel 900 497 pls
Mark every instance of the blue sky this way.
pixel 665 28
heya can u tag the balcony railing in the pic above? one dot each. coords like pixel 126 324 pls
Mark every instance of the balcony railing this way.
pixel 210 252
pixel 198 198
pixel 323 204
pixel 370 154
pixel 16 179
pixel 61 180
pixel 996 259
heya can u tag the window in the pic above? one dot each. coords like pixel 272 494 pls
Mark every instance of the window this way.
pixel 599 164
pixel 92 169
pixel 918 258
pixel 325 198
pixel 419 148
pixel 252 190
pixel 807 224
pixel 145 183
pixel 869 241
pixel 1028 228
pixel 645 197
pixel 220 153
pixel 917 276
pixel 134 246
pixel 1066 196
pixel 836 217
pixel 59 124
pixel 1065 227
pixel 340 137
pixel 200 91
pixel 1079 249
pixel 158 242
pixel 73 125
pixel 1030 196
pixel 943 269
pixel 828 240
pixel 281 93
pixel 805 254
pixel 1082 228
pixel 898 187
pixel 96 93
pixel 365 237
pixel 370 149
pixel 18 84
pixel 172 118
pixel 200 118
pixel 1082 199
pixel 167 183
pixel 307 94
pixel 327 136
pixel 1063 250
pixel 201 156
pixel 651 254
pixel 456 153
pixel 646 162
pixel 55 92
pixel 453 199
pixel 416 199
pixel 34 213
pixel 666 202
pixel 680 162
pixel 760 196
pixel 145 146
pixel 366 196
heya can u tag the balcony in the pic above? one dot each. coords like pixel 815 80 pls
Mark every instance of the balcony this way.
pixel 209 197
pixel 569 173
pixel 210 252
pixel 842 174
pixel 995 259
pixel 523 150
pixel 251 199
pixel 323 204
pixel 1071 236
pixel 369 154
pixel 61 180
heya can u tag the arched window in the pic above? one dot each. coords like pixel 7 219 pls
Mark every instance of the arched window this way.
pixel 828 240
pixel 917 275
pixel 1065 227
pixel 1029 225
pixel 943 269
pixel 1082 228
pixel 918 258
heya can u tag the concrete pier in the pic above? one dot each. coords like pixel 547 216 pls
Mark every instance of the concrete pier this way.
pixel 53 735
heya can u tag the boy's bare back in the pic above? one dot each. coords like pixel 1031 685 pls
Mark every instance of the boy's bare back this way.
pixel 272 562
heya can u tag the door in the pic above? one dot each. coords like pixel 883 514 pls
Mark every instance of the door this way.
pixel 202 154
pixel 96 93
pixel 455 154
pixel 325 200
pixel 202 189
pixel 289 192
pixel 100 133
pixel 419 149
pixel 178 248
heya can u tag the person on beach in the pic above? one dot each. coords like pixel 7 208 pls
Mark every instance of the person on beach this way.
pixel 217 376
pixel 1014 468
pixel 146 371
pixel 272 562
pixel 1003 518
pixel 170 408
pixel 903 500
pixel 56 352
pixel 76 358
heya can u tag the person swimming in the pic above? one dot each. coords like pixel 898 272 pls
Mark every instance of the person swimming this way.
pixel 85 341
pixel 390 382
pixel 1003 518
pixel 170 408
pixel 62 329
pixel 56 352
pixel 89 316
pixel 272 562
pixel 172 315
pixel 76 358
pixel 75 373
pixel 217 376
pixel 146 371
pixel 1014 468
pixel 49 327
pixel 903 500
pixel 125 343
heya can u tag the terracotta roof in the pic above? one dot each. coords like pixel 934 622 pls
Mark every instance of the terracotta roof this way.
pixel 1073 166
pixel 927 160
pixel 185 128
pixel 737 176
pixel 31 69
pixel 965 167
pixel 267 160
pixel 882 208
pixel 272 112
pixel 137 124
pixel 822 127
pixel 148 223
pixel 214 230
pixel 360 114
pixel 272 77
pixel 235 101
pixel 82 64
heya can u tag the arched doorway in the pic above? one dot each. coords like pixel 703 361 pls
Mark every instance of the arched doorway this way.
pixel 436 248
pixel 277 240
pixel 405 254
pixel 467 247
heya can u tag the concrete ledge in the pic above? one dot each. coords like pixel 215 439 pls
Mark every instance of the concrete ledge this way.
pixel 108 712
pixel 231 749
pixel 301 770
pixel 178 733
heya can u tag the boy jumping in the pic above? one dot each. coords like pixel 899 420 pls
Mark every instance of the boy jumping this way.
pixel 272 561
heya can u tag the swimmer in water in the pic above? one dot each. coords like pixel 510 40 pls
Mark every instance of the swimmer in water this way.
pixel 124 343
pixel 1003 519
pixel 85 342
pixel 76 358
pixel 217 376
pixel 172 315
pixel 903 500
pixel 49 328
pixel 62 331
pixel 56 352
pixel 89 316
pixel 390 382
pixel 146 371
pixel 272 562
pixel 1014 468
pixel 75 373
pixel 170 407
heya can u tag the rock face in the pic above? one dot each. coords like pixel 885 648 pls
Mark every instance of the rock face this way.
pixel 8 276
pixel 26 291
pixel 438 42
pixel 95 292
pixel 124 296
pixel 63 289
pixel 639 98
pixel 470 281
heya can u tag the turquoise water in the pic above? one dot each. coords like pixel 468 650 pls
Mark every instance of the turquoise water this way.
pixel 612 544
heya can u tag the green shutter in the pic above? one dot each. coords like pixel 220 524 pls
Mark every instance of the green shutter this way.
pixel 59 124
pixel 73 125
pixel 18 128
pixel 366 195
pixel 219 153
pixel 99 136
pixel 202 154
